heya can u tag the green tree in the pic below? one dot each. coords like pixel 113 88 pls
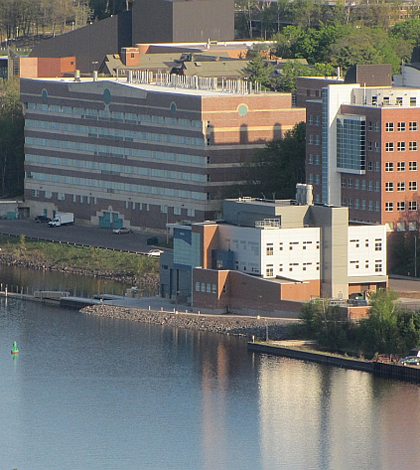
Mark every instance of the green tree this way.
pixel 11 139
pixel 276 168
pixel 258 70
pixel 379 333
pixel 326 323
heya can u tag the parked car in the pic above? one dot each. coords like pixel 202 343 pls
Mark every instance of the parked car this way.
pixel 410 361
pixel 121 230
pixel 42 219
pixel 154 252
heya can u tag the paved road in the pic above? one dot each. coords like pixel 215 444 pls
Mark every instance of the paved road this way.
pixel 80 234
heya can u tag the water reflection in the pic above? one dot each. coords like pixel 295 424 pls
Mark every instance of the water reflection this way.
pixel 317 417
pixel 30 280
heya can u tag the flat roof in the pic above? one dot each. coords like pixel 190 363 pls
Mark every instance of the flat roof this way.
pixel 155 87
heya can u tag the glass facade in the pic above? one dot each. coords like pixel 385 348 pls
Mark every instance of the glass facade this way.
pixel 351 143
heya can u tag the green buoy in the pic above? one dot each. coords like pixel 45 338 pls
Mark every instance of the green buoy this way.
pixel 15 349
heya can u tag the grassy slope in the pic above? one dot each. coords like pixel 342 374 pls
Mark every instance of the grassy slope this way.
pixel 58 256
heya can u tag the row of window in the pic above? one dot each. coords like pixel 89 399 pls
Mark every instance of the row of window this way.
pixel 355 243
pixel 401 126
pixel 117 116
pixel 398 101
pixel 401 226
pixel 269 270
pixel 208 288
pixel 401 166
pixel 360 184
pixel 111 186
pixel 270 246
pixel 401 146
pixel 400 186
pixel 401 206
pixel 378 265
pixel 116 134
pixel 82 199
pixel 118 169
pixel 361 204
pixel 120 152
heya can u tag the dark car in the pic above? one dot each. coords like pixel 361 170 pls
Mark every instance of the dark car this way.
pixel 42 219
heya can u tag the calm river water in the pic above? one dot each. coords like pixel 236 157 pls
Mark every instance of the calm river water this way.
pixel 101 394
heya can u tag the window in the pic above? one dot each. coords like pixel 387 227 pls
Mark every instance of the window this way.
pixel 317 179
pixel 374 100
pixel 413 101
pixel 412 126
pixel 356 184
pixel 412 166
pixel 400 226
pixel 281 246
pixel 378 244
pixel 370 166
pixel 376 146
pixel 197 287
pixel 412 185
pixel 343 182
pixel 389 166
pixel 389 186
pixel 310 178
pixel 401 146
pixel 412 205
pixel 311 119
pixel 316 159
pixel 412 226
pixel 310 159
pixel 401 166
pixel 356 204
pixel 377 126
pixel 400 206
pixel 377 186
pixel 349 182
pixel 370 145
pixel 401 126
pixel 412 145
pixel 399 101
pixel 370 185
pixel 389 126
pixel 363 205
pixel 363 185
pixel 377 206
pixel 370 125
pixel 401 186
pixel 317 140
pixel 378 266
pixel 269 250
pixel 389 146
pixel 389 206
pixel 370 206
pixel 310 139
pixel 269 270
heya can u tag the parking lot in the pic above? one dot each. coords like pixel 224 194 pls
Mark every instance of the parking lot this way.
pixel 81 234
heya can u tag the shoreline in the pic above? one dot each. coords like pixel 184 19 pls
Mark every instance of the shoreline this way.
pixel 223 324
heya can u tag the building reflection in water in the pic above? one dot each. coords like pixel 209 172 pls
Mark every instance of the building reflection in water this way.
pixel 319 417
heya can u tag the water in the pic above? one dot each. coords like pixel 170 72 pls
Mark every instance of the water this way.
pixel 101 394
pixel 83 286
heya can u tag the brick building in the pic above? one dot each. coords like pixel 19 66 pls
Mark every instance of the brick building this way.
pixel 142 154
pixel 363 151
pixel 273 256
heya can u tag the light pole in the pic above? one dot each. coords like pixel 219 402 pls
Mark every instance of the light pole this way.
pixel 167 222
pixel 415 255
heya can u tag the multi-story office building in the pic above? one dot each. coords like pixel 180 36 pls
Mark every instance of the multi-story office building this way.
pixel 363 152
pixel 274 255
pixel 143 154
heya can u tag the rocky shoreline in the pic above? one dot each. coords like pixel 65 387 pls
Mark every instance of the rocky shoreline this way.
pixel 223 324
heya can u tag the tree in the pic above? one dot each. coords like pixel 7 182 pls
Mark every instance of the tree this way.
pixel 379 333
pixel 258 70
pixel 326 323
pixel 279 166
pixel 11 139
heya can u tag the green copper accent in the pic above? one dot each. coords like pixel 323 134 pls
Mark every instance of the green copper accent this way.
pixel 15 349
